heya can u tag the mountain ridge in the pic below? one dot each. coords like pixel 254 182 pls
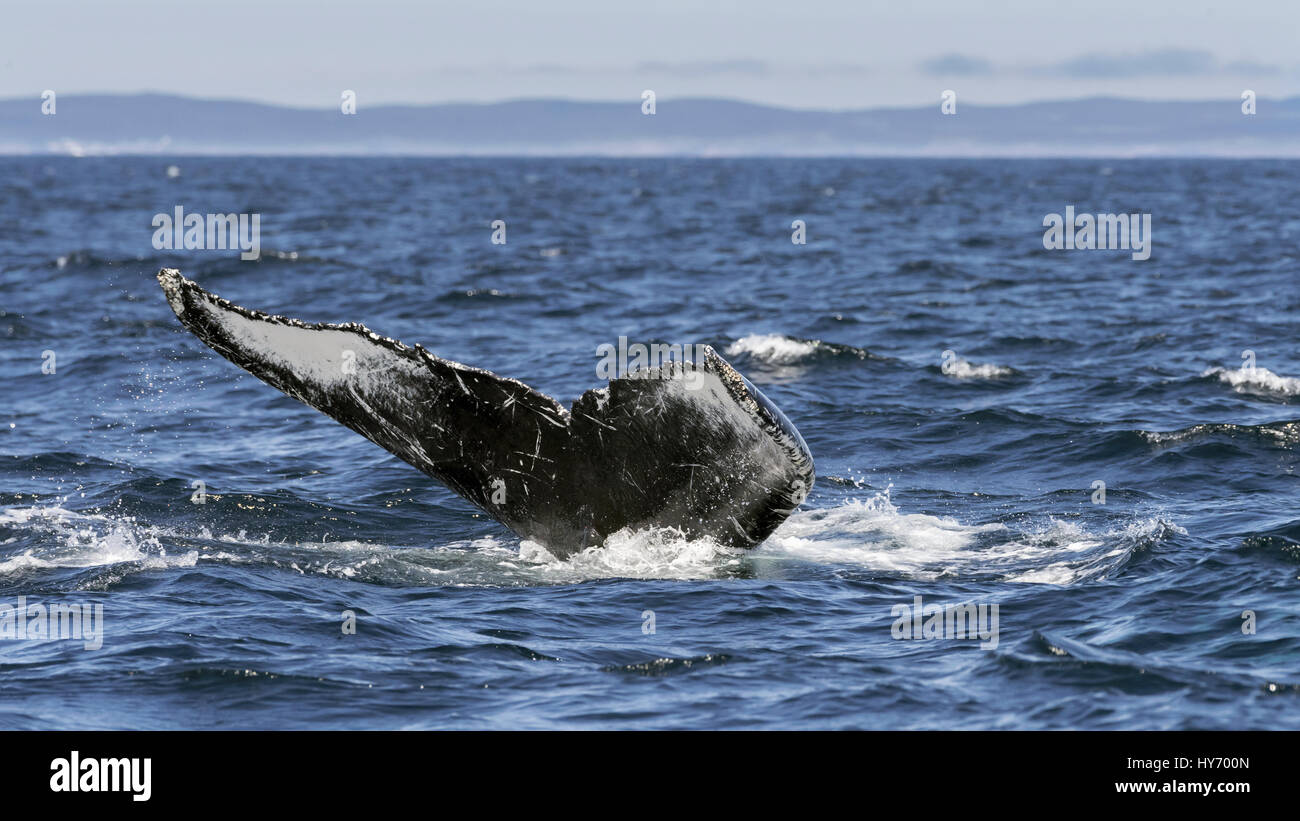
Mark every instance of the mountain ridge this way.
pixel 161 124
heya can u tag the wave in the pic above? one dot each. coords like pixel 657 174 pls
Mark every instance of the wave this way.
pixel 1119 666
pixel 926 266
pixel 871 534
pixel 68 539
pixel 467 294
pixel 875 535
pixel 1256 381
pixel 668 666
pixel 1282 434
pixel 87 259
pixel 657 553
pixel 959 368
pixel 779 349
pixel 85 541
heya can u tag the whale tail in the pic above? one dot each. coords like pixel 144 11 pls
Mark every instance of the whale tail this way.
pixel 693 446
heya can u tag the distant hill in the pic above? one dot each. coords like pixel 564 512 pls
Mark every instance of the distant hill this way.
pixel 164 124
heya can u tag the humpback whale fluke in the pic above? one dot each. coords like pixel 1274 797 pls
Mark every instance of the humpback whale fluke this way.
pixel 708 454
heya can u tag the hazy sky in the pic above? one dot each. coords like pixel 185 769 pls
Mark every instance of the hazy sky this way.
pixel 807 53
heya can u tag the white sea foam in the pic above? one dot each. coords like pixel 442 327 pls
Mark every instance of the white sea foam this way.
pixel 1256 380
pixel 959 368
pixel 81 540
pixel 774 348
pixel 871 534
pixel 659 553
pixel 875 535
pixel 87 540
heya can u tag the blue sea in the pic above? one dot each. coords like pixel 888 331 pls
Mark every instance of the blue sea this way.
pixel 1103 449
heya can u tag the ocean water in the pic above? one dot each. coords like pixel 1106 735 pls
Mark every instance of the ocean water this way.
pixel 962 478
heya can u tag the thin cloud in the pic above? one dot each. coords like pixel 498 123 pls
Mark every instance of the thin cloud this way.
pixel 956 64
pixel 1163 63
pixel 702 68
pixel 692 69
pixel 1168 62
pixel 1251 67
pixel 1092 65
pixel 1171 62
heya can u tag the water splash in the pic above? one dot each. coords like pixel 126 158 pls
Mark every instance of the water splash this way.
pixel 871 534
pixel 875 535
